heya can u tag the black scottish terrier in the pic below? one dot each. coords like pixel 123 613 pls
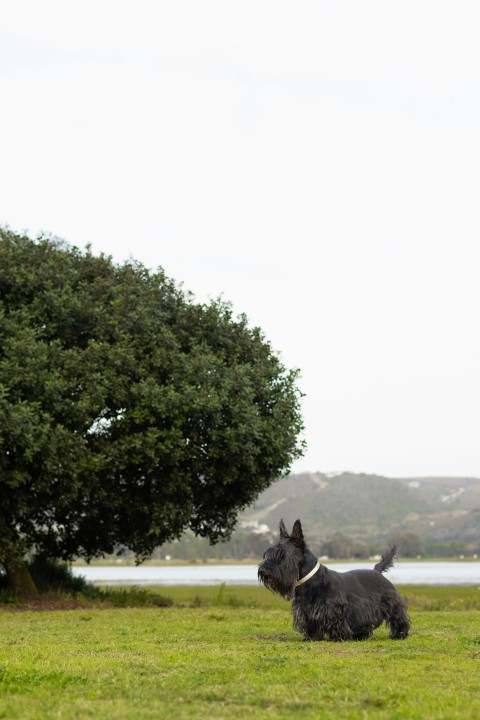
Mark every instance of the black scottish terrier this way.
pixel 329 604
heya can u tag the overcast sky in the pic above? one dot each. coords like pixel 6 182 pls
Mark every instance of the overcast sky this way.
pixel 316 163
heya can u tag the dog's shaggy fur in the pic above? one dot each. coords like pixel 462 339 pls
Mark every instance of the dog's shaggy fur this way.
pixel 333 605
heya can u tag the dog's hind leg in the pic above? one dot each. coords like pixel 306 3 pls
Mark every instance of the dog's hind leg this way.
pixel 397 619
pixel 399 628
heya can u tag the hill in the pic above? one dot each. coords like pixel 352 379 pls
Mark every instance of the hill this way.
pixel 354 515
pixel 368 507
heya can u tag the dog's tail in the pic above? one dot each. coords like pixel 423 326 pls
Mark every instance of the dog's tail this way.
pixel 386 562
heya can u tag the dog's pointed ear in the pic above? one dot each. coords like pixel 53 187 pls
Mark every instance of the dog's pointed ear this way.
pixel 297 532
pixel 283 530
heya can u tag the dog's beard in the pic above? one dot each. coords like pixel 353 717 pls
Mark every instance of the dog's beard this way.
pixel 279 578
pixel 277 587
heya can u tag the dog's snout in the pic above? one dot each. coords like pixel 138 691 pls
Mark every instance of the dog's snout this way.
pixel 263 575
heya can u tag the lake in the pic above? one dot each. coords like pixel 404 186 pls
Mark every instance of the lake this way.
pixel 404 573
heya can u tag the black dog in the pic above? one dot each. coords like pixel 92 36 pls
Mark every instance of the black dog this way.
pixel 325 603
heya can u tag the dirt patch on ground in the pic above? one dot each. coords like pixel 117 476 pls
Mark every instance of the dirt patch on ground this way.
pixel 51 601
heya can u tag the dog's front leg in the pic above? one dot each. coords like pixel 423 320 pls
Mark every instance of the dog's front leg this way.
pixel 305 624
pixel 316 633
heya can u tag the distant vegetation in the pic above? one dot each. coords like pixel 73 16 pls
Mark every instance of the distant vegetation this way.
pixel 354 516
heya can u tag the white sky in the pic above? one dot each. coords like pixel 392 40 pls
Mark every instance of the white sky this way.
pixel 317 163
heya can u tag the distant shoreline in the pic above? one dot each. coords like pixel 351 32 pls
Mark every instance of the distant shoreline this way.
pixel 251 561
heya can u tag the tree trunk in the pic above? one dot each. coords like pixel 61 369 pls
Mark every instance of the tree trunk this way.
pixel 20 580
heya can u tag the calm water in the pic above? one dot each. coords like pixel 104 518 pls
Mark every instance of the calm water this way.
pixel 405 573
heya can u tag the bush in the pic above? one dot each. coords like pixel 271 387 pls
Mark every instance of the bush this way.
pixel 131 597
pixel 49 574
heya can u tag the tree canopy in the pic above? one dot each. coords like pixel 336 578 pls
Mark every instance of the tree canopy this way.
pixel 128 412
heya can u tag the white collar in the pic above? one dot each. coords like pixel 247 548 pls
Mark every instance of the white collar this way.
pixel 309 575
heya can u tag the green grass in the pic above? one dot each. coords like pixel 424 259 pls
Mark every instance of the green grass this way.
pixel 232 653
pixel 418 597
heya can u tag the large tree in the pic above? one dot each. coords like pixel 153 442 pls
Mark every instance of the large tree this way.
pixel 128 412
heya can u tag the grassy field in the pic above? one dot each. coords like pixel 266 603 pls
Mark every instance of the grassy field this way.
pixel 232 653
